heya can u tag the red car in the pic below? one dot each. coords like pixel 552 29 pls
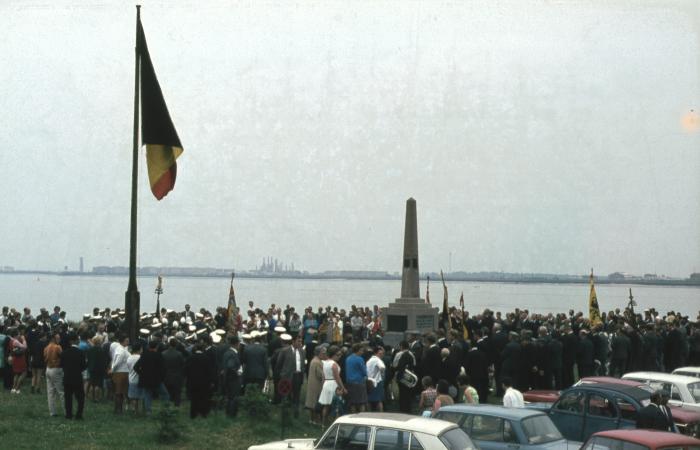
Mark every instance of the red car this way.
pixel 640 440
pixel 688 422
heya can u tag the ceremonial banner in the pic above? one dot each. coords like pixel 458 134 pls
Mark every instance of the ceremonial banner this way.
pixel 446 322
pixel 158 133
pixel 465 331
pixel 232 313
pixel 427 292
pixel 593 308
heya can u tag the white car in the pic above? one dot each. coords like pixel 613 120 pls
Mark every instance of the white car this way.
pixel 682 390
pixel 688 371
pixel 382 431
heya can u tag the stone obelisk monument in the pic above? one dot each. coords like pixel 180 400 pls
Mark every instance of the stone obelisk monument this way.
pixel 409 312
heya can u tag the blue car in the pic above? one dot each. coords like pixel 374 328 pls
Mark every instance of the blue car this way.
pixel 494 427
pixel 588 408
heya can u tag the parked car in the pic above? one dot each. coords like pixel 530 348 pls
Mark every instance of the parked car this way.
pixel 588 408
pixel 494 427
pixel 687 421
pixel 551 396
pixel 682 390
pixel 382 431
pixel 640 440
pixel 688 371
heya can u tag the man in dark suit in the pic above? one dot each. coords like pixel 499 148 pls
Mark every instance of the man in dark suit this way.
pixel 652 417
pixel 510 359
pixel 231 372
pixel 151 370
pixel 569 343
pixel 256 365
pixel 499 340
pixel 73 363
pixel 620 353
pixel 431 359
pixel 554 362
pixel 476 364
pixel 199 372
pixel 290 366
pixel 649 348
pixel 405 361
pixel 584 355
pixel 174 365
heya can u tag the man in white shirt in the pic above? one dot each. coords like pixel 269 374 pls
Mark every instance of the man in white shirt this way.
pixel 120 372
pixel 512 398
pixel 375 373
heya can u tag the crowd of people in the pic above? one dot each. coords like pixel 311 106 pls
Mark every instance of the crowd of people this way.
pixel 340 355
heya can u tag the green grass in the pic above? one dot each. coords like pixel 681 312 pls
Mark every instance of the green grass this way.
pixel 25 423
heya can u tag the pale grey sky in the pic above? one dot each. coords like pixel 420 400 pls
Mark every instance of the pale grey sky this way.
pixel 536 136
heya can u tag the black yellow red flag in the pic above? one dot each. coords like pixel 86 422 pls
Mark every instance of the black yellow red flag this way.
pixel 158 133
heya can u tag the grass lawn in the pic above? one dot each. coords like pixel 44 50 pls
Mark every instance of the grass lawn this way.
pixel 25 423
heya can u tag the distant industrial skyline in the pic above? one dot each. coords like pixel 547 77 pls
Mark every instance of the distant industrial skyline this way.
pixel 269 267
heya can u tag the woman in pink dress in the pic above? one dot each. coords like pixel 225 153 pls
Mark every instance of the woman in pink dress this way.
pixel 18 352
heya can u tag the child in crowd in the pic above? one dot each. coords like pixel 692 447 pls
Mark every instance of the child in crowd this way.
pixel 427 397
pixel 471 396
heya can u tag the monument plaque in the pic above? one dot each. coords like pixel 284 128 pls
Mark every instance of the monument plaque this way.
pixel 409 312
pixel 425 322
pixel 397 323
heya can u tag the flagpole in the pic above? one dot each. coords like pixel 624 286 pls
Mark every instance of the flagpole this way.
pixel 132 297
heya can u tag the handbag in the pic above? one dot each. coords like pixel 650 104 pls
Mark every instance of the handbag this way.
pixel 370 385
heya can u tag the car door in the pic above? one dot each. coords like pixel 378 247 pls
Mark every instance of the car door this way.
pixel 391 439
pixel 627 411
pixel 676 397
pixel 601 414
pixel 568 414
pixel 346 436
pixel 492 433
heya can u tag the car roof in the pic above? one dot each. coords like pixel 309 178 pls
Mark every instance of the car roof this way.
pixel 687 369
pixel 395 420
pixel 649 437
pixel 661 376
pixel 634 392
pixel 608 380
pixel 494 410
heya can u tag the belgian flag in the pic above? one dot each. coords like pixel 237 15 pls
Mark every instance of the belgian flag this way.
pixel 158 133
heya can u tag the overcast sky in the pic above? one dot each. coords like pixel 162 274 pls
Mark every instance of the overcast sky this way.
pixel 536 136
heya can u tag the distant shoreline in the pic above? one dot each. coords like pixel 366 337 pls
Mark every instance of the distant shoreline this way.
pixel 491 278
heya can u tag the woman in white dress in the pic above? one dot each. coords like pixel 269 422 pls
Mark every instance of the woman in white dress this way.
pixel 332 382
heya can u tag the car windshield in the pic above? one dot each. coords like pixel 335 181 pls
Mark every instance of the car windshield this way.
pixel 694 389
pixel 457 439
pixel 540 429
